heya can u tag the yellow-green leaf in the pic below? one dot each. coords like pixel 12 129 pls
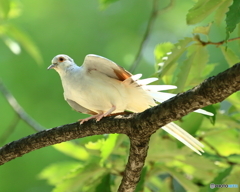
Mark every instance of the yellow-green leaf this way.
pixel 230 56
pixel 201 10
pixel 72 150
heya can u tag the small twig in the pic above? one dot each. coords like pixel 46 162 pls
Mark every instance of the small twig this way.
pixel 154 14
pixel 204 43
pixel 10 129
pixel 19 110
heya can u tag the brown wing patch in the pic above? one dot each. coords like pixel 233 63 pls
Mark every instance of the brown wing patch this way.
pixel 122 74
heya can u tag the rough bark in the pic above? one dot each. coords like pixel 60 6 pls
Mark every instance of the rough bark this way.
pixel 139 127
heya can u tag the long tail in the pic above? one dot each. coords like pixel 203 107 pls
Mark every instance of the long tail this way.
pixel 171 128
pixel 184 137
pixel 153 90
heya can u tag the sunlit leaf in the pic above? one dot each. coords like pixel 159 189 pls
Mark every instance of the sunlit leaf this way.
pixel 108 146
pixel 184 70
pixel 200 62
pixel 230 146
pixel 177 51
pixel 72 150
pixel 201 10
pixel 95 145
pixel 161 50
pixel 234 99
pixel 232 17
pixel 190 71
pixel 55 173
pixel 81 179
pixel 230 56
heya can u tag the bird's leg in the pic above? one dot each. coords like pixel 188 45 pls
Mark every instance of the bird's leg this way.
pixel 91 117
pixel 113 108
pixel 99 116
pixel 109 111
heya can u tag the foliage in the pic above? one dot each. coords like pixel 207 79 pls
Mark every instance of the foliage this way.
pixel 97 163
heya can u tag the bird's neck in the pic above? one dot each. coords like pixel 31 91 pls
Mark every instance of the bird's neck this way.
pixel 68 71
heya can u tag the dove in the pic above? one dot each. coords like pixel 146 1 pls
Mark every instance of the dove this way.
pixel 102 88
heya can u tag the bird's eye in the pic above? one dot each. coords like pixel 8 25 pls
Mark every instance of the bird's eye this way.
pixel 61 59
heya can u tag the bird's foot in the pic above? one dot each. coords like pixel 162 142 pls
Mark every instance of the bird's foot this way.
pixel 99 116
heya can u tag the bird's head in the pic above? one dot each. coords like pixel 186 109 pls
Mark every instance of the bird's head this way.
pixel 61 63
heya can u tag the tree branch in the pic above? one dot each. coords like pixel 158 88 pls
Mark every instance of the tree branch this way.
pixel 204 43
pixel 139 127
pixel 19 110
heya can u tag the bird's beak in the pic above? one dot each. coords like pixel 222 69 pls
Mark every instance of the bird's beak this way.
pixel 52 66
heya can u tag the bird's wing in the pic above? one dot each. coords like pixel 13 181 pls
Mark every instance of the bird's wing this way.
pixel 105 66
pixel 79 108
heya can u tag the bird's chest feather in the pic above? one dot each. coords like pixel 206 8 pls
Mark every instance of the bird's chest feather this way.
pixel 95 91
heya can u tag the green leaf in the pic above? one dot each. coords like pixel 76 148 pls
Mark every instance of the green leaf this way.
pixel 184 72
pixel 55 173
pixel 234 99
pixel 191 123
pixel 105 3
pixel 208 69
pixel 82 179
pixel 95 145
pixel 105 184
pixel 197 59
pixel 201 10
pixel 4 8
pixel 25 41
pixel 231 138
pixel 108 146
pixel 232 178
pixel 217 180
pixel 221 11
pixel 140 185
pixel 187 184
pixel 161 50
pixel 230 56
pixel 232 17
pixel 177 52
pixel 212 109
pixel 72 150
pixel 203 29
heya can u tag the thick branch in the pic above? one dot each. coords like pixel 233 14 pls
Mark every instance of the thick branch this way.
pixel 137 156
pixel 139 127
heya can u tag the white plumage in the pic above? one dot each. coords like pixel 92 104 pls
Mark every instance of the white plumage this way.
pixel 100 87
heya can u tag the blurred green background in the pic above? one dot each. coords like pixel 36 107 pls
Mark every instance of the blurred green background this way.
pixel 76 28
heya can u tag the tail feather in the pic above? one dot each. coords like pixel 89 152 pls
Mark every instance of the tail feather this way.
pixel 184 137
pixel 161 97
pixel 149 93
